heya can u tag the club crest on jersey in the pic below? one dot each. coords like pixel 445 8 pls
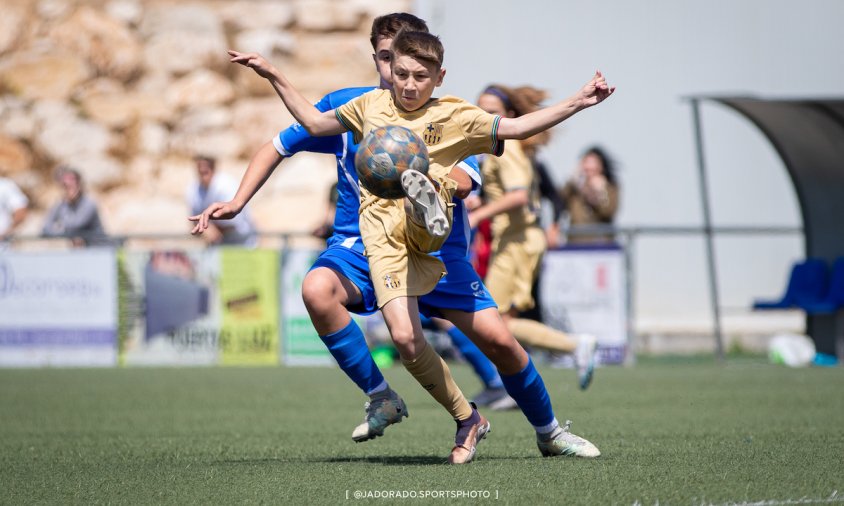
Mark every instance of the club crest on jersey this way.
pixel 389 282
pixel 433 133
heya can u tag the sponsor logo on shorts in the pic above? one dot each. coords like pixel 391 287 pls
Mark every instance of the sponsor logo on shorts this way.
pixel 477 289
pixel 390 282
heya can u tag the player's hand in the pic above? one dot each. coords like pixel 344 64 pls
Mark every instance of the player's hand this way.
pixel 472 202
pixel 596 90
pixel 254 61
pixel 216 211
pixel 598 183
pixel 474 220
pixel 552 236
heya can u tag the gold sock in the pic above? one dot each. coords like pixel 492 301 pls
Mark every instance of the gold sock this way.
pixel 431 371
pixel 533 333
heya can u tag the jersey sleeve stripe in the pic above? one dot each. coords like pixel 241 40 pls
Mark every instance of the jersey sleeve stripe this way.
pixel 340 119
pixel 497 146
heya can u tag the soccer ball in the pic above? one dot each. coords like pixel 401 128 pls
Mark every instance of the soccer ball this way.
pixel 793 350
pixel 385 153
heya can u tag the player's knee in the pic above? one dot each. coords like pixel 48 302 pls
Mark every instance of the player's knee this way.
pixel 505 352
pixel 318 292
pixel 402 336
pixel 500 342
pixel 404 340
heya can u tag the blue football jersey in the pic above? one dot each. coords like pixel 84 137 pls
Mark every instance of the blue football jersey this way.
pixel 296 139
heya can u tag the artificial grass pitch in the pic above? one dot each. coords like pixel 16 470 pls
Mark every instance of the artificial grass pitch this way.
pixel 670 433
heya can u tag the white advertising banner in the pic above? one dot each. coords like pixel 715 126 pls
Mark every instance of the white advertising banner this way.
pixel 584 290
pixel 58 308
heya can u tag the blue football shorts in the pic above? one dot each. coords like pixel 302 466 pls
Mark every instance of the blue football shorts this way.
pixel 460 289
pixel 354 267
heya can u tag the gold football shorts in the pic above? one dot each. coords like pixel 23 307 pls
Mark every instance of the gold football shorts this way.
pixel 397 247
pixel 514 267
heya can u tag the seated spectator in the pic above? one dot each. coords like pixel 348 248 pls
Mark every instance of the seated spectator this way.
pixel 211 187
pixel 13 209
pixel 76 216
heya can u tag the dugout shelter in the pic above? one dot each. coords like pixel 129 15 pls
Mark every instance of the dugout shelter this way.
pixel 808 135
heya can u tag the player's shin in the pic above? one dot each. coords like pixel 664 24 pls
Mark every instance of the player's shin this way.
pixel 348 347
pixel 433 374
pixel 529 391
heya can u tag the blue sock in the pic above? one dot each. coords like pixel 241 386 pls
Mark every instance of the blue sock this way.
pixel 482 366
pixel 528 390
pixel 349 349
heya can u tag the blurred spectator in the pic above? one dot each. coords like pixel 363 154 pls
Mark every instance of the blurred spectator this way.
pixel 76 216
pixel 591 195
pixel 13 209
pixel 211 187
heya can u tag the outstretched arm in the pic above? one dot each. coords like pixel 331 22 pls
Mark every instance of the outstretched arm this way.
pixel 260 168
pixel 594 92
pixel 315 122
pixel 512 199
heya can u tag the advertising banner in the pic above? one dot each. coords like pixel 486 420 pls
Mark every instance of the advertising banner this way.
pixel 58 308
pixel 169 307
pixel 249 306
pixel 301 344
pixel 584 290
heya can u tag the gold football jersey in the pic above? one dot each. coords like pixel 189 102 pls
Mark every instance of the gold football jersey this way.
pixel 511 171
pixel 451 127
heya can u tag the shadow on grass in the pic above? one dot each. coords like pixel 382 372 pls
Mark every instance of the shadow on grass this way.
pixel 397 460
pixel 389 460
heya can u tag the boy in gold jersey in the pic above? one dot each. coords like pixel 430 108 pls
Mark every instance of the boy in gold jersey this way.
pixel 396 244
pixel 511 200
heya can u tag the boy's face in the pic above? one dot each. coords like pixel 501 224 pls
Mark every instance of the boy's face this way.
pixel 414 81
pixel 382 57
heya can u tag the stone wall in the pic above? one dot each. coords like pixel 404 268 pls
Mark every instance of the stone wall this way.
pixel 128 91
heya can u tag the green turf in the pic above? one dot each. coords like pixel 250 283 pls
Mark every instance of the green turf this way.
pixel 671 433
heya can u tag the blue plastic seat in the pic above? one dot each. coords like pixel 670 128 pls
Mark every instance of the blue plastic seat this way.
pixel 807 285
pixel 834 298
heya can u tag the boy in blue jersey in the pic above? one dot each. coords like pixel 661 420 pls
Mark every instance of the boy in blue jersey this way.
pixel 339 280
